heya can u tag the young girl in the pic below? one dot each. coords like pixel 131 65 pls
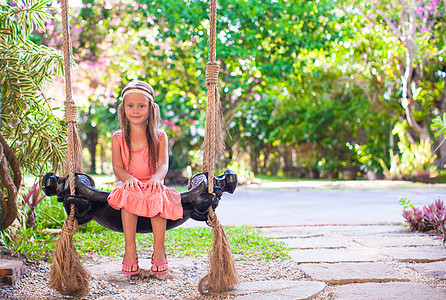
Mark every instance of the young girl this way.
pixel 140 160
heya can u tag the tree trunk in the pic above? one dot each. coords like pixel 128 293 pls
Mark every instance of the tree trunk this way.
pixel 286 158
pixel 407 97
pixel 442 107
pixel 102 156
pixel 255 154
pixel 8 205
pixel 441 152
pixel 92 141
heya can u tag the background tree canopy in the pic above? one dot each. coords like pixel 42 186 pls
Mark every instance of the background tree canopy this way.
pixel 306 85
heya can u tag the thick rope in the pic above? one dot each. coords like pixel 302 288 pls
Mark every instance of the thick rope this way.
pixel 222 275
pixel 68 276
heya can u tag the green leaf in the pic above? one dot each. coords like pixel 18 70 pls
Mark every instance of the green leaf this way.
pixel 439 125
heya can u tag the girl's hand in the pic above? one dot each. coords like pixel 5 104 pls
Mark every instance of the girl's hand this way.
pixel 153 184
pixel 132 184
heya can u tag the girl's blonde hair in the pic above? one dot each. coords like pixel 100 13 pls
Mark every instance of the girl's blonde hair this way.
pixel 153 120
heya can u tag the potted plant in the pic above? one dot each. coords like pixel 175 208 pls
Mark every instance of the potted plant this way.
pixel 329 167
pixel 349 165
pixel 395 171
pixel 416 162
pixel 308 156
pixel 421 160
pixel 370 162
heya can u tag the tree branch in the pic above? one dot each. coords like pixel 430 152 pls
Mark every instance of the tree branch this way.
pixel 13 162
pixel 442 99
pixel 439 52
pixel 422 131
pixel 395 30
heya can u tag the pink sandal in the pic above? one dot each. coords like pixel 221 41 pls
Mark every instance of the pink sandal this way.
pixel 131 265
pixel 157 264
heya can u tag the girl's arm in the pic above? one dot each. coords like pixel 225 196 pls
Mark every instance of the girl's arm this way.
pixel 130 182
pixel 163 165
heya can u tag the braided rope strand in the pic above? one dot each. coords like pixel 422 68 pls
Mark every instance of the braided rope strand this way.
pixel 222 275
pixel 67 275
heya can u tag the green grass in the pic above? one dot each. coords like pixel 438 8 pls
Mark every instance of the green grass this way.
pixel 268 178
pixel 247 243
pixel 33 244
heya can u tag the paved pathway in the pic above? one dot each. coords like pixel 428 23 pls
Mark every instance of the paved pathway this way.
pixel 366 261
pixel 369 256
pixel 323 202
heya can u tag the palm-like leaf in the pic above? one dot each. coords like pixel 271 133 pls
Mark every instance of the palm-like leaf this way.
pixel 28 124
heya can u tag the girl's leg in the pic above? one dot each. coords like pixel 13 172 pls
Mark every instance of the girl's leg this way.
pixel 159 231
pixel 129 227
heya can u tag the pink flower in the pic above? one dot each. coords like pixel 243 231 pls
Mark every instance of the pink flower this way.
pixel 432 5
pixel 423 30
pixel 420 10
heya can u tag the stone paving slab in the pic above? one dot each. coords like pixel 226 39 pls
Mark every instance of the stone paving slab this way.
pixel 398 240
pixel 277 289
pixel 385 291
pixel 433 269
pixel 314 231
pixel 415 254
pixel 359 230
pixel 288 232
pixel 345 273
pixel 331 242
pixel 111 271
pixel 327 255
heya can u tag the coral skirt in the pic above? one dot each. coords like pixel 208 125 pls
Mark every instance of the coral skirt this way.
pixel 143 203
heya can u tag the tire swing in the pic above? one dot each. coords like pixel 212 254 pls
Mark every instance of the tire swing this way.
pixel 84 203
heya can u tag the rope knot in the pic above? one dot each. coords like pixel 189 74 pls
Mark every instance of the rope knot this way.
pixel 71 114
pixel 212 220
pixel 212 69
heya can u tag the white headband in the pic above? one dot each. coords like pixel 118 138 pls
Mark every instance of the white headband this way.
pixel 138 91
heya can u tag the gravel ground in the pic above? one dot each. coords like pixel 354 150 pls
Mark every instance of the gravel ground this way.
pixel 181 284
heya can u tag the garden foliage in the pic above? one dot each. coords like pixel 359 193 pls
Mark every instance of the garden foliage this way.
pixel 28 123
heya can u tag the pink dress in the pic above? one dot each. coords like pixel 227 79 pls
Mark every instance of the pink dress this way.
pixel 143 203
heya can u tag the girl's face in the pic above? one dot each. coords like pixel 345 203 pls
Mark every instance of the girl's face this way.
pixel 136 108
